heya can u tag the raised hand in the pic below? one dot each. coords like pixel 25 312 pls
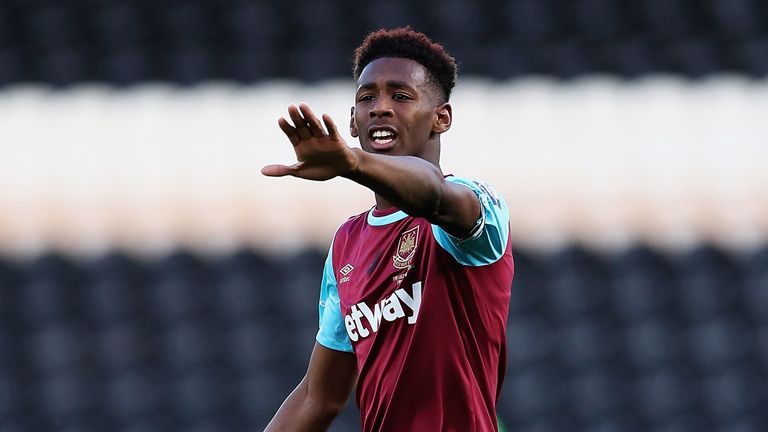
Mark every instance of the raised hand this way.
pixel 321 154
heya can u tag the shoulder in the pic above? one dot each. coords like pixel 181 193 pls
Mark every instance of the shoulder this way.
pixel 482 189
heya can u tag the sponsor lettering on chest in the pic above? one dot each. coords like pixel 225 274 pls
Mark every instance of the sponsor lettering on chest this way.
pixel 363 320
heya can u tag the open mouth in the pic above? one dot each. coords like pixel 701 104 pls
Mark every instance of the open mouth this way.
pixel 382 138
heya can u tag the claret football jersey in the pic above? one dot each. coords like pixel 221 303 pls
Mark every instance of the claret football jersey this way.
pixel 425 315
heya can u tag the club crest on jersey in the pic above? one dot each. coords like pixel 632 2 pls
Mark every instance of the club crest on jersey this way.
pixel 406 248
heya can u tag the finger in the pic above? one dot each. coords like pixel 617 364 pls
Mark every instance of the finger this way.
pixel 315 128
pixel 299 122
pixel 331 126
pixel 276 170
pixel 288 130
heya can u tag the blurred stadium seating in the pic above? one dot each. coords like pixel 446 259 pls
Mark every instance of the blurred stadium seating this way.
pixel 669 336
pixel 126 42
pixel 637 340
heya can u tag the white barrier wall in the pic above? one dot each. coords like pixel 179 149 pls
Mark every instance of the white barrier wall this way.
pixel 598 161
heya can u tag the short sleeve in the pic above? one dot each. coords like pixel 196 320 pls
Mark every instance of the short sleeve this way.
pixel 488 241
pixel 332 333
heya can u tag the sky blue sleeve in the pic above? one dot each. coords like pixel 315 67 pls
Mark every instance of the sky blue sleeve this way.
pixel 332 333
pixel 488 241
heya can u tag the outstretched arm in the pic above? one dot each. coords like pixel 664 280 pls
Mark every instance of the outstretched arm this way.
pixel 410 183
pixel 320 396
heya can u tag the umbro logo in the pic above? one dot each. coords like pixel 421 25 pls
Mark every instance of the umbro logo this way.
pixel 347 269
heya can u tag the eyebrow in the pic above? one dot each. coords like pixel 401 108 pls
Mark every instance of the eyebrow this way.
pixel 390 83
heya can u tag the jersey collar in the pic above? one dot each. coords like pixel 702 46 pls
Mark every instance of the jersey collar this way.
pixel 386 218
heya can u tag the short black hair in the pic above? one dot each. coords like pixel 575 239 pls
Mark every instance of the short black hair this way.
pixel 407 43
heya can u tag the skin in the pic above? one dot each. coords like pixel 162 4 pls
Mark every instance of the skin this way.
pixel 395 94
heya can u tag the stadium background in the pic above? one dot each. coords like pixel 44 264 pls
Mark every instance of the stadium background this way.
pixel 151 279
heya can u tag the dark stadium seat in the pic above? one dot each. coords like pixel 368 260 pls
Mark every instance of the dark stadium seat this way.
pixel 708 284
pixel 253 346
pixel 529 284
pixel 10 389
pixel 651 344
pixel 661 395
pixel 586 343
pixel 198 395
pixel 694 57
pixel 596 20
pixel 641 286
pixel 567 59
pixel 241 297
pixel 117 25
pixel 181 289
pixel 531 20
pixel 62 67
pixel 686 422
pixel 326 59
pixel 59 347
pixel 529 339
pixel 255 25
pixel 461 26
pixel 504 58
pixel 64 398
pixel 245 287
pixel 666 19
pixel 125 67
pixel 12 69
pixel 125 345
pixel 733 394
pixel 631 58
pixel 189 345
pixel 391 14
pixel 49 290
pixel 619 421
pixel 52 26
pixel 111 301
pixel 184 24
pixel 532 393
pixel 554 422
pixel 752 56
pixel 302 287
pixel 737 18
pixel 136 394
pixel 715 345
pixel 190 65
pixel 596 394
pixel 577 285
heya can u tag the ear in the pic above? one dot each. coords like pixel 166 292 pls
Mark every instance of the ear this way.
pixel 352 125
pixel 443 118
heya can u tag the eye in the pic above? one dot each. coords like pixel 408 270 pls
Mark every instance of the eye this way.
pixel 401 96
pixel 365 98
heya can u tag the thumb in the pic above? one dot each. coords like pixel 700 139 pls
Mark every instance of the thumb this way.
pixel 276 170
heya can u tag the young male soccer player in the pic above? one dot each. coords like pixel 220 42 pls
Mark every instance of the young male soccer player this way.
pixel 415 292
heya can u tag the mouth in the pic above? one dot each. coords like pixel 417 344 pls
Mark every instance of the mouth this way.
pixel 382 137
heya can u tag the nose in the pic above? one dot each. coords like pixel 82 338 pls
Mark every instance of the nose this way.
pixel 381 108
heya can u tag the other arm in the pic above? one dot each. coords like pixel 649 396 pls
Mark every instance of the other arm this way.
pixel 321 394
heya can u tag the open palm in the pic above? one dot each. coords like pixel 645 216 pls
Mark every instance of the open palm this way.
pixel 321 154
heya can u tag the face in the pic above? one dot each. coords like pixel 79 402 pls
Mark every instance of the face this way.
pixel 398 111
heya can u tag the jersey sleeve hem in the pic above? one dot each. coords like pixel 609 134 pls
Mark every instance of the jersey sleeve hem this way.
pixel 487 241
pixel 333 344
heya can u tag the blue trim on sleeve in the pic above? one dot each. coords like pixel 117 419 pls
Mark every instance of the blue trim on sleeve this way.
pixel 332 333
pixel 489 244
